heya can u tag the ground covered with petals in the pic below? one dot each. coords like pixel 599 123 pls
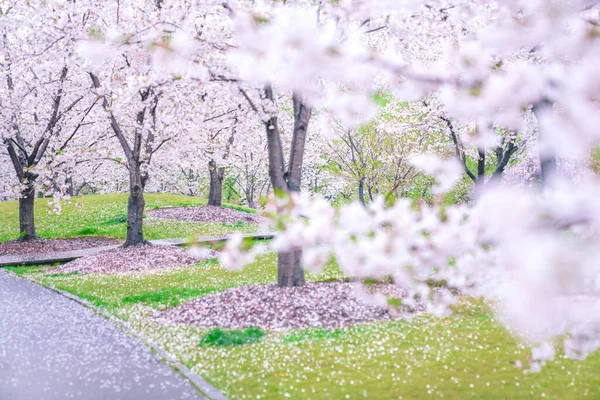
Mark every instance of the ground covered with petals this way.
pixel 315 305
pixel 468 355
pixel 39 246
pixel 131 259
pixel 206 214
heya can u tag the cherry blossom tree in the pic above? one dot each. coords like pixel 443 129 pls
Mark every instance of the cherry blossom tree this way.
pixel 487 62
pixel 483 161
pixel 45 103
pixel 249 165
pixel 376 157
pixel 495 67
pixel 152 100
pixel 221 132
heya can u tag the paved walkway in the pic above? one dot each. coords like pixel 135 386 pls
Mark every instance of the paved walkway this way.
pixel 65 256
pixel 52 348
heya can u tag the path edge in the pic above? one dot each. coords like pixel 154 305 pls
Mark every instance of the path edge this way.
pixel 205 388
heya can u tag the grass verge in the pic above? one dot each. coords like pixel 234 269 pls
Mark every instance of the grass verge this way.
pixel 106 215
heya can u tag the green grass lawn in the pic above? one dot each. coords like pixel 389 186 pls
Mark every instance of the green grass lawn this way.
pixel 467 355
pixel 106 215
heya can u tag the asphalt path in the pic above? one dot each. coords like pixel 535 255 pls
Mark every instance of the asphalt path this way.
pixel 53 348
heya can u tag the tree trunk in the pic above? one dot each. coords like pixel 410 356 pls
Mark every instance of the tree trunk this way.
pixel 70 188
pixel 548 168
pixel 215 194
pixel 289 269
pixel 543 111
pixel 370 192
pixel 496 177
pixel 480 181
pixel 361 191
pixel 287 180
pixel 250 198
pixel 135 209
pixel 26 215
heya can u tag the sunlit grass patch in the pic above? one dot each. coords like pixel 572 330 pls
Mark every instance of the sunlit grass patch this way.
pixel 314 334
pixel 25 269
pixel 106 215
pixel 168 287
pixel 467 355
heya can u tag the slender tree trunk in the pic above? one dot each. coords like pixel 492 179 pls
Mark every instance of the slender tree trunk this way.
pixel 543 113
pixel 361 191
pixel 215 194
pixel 370 192
pixel 290 272
pixel 78 189
pixel 548 168
pixel 70 188
pixel 289 269
pixel 135 209
pixel 286 180
pixel 480 181
pixel 26 213
pixel 250 198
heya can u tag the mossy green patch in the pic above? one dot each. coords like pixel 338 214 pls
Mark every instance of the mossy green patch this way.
pixel 170 297
pixel 88 231
pixel 25 269
pixel 223 337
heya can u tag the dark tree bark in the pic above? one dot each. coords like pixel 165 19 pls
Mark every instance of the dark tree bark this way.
pixel 287 179
pixel 548 164
pixel 136 160
pixel 70 187
pixel 504 153
pixel 361 191
pixel 26 213
pixel 77 190
pixel 503 156
pixel 480 181
pixel 215 193
pixel 370 192
pixel 250 201
pixel 289 269
pixel 135 209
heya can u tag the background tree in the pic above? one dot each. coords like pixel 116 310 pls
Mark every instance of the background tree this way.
pixel 376 157
pixel 250 166
pixel 43 101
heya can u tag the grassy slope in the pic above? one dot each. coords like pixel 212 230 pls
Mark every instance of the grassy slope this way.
pixel 105 215
pixel 425 358
pixel 168 288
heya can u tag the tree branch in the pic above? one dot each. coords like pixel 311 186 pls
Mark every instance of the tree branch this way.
pixel 457 148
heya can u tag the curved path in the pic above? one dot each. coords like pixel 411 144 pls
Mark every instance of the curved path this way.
pixel 53 348
pixel 65 256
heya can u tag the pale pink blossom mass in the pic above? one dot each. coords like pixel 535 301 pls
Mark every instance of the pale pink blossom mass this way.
pixel 439 140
